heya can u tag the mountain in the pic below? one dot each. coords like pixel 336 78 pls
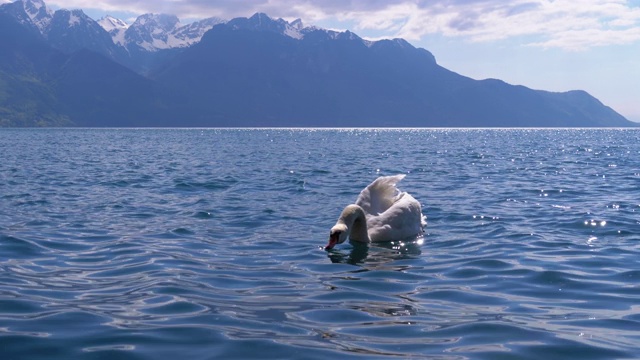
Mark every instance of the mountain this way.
pixel 65 30
pixel 256 71
pixel 153 39
pixel 73 30
pixel 63 68
pixel 42 86
pixel 33 14
pixel 190 34
pixel 95 91
pixel 116 29
pixel 153 32
pixel 26 97
pixel 262 22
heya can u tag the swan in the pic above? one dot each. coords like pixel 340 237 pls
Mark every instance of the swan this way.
pixel 381 213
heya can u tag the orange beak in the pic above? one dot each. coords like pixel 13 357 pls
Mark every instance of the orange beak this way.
pixel 333 240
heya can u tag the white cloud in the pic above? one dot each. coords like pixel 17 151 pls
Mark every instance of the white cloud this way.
pixel 567 24
pixel 572 25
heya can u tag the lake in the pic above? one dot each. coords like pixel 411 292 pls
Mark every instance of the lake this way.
pixel 208 244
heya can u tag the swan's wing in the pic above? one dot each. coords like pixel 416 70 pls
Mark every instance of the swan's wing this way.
pixel 380 195
pixel 402 220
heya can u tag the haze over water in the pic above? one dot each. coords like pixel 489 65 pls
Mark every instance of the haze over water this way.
pixel 205 243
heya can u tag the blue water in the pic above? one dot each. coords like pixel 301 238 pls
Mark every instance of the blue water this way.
pixel 207 244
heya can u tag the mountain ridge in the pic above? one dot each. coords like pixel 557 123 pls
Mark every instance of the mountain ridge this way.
pixel 258 71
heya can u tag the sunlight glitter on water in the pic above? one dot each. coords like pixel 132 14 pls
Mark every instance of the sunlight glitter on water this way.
pixel 156 243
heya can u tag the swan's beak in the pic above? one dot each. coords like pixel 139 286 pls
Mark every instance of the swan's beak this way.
pixel 333 240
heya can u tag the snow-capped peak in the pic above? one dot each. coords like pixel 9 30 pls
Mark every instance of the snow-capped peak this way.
pixel 38 12
pixel 110 23
pixel 115 27
pixel 192 33
pixel 294 29
pixel 153 32
pixel 33 7
pixel 262 22
pixel 157 23
pixel 75 17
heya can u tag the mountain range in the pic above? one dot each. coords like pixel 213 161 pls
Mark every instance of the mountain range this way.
pixel 62 68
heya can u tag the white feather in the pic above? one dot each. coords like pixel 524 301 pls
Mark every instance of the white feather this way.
pixel 381 213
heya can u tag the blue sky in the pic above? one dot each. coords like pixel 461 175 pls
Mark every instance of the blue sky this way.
pixel 554 45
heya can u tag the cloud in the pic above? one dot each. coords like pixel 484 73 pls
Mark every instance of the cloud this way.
pixel 566 24
pixel 571 25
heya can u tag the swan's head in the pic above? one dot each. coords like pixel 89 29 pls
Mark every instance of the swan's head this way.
pixel 338 235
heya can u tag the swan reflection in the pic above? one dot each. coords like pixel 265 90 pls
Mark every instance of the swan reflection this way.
pixel 377 253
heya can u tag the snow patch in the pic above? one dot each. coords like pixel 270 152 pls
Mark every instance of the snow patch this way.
pixel 118 37
pixel 116 28
pixel 38 12
pixel 73 20
pixel 109 23
pixel 293 33
pixel 153 32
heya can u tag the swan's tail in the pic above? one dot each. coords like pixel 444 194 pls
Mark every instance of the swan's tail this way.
pixel 380 194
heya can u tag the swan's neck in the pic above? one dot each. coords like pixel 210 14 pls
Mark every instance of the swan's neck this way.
pixel 353 217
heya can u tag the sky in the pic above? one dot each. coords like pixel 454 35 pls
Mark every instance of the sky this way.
pixel 554 45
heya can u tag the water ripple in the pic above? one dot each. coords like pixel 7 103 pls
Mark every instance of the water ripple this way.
pixel 206 243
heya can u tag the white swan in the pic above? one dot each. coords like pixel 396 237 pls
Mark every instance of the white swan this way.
pixel 381 213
